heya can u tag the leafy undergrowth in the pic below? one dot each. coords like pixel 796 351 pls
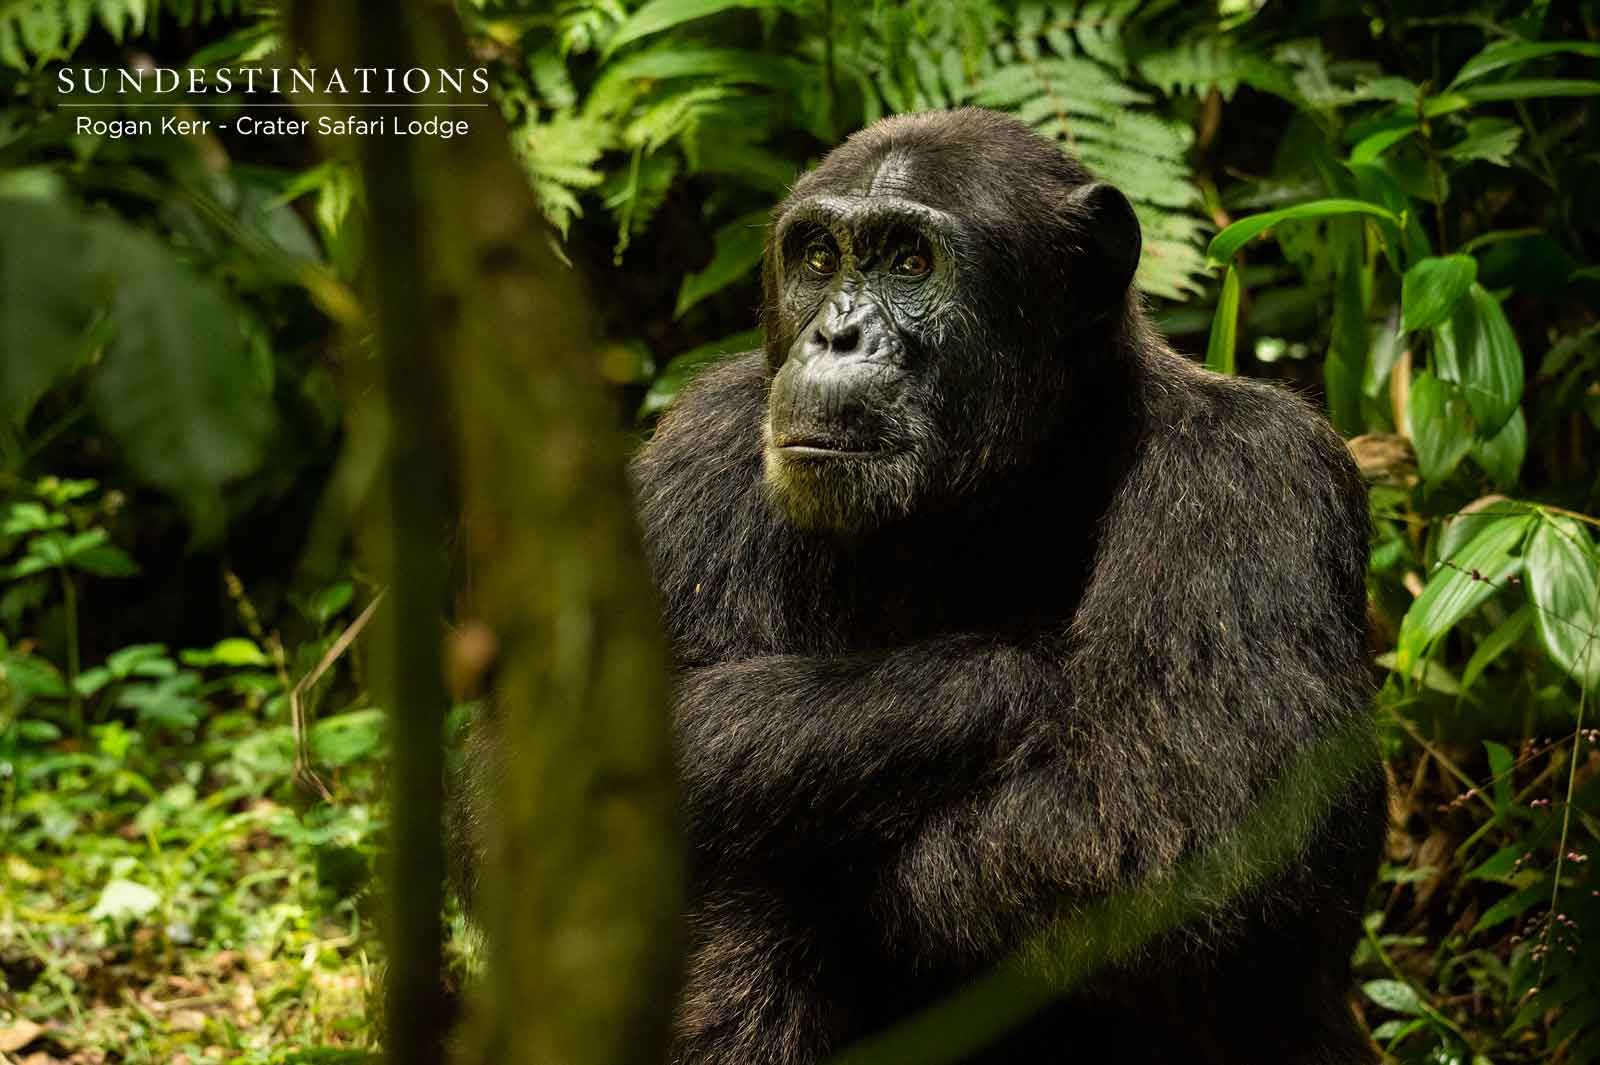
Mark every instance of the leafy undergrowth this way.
pixel 176 910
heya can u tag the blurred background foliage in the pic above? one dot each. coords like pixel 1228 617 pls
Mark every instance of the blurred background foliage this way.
pixel 1389 205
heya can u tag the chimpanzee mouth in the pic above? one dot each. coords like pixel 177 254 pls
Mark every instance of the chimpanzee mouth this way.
pixel 809 446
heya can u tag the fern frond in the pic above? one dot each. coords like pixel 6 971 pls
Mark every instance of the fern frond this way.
pixel 636 194
pixel 1065 69
pixel 36 32
pixel 1094 114
pixel 560 156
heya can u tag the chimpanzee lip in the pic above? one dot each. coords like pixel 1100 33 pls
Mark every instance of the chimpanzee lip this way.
pixel 807 445
pixel 816 452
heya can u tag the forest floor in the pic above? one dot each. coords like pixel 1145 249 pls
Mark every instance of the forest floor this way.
pixel 173 909
pixel 189 905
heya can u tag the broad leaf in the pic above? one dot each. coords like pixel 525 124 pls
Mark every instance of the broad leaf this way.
pixel 177 387
pixel 1459 585
pixel 737 250
pixel 1404 239
pixel 1502 54
pixel 1501 456
pixel 1514 905
pixel 1530 90
pixel 1371 147
pixel 1564 585
pixel 1490 139
pixel 1440 432
pixel 1383 349
pixel 677 373
pixel 1477 349
pixel 1462 527
pixel 344 738
pixel 1502 639
pixel 1225 245
pixel 1393 995
pixel 45 304
pixel 235 651
pixel 1432 287
pixel 1225 326
pixel 660 15
pixel 123 900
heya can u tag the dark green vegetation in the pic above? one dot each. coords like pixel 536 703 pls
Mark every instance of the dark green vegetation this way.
pixel 1418 246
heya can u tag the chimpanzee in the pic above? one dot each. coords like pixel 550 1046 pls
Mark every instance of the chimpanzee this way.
pixel 989 609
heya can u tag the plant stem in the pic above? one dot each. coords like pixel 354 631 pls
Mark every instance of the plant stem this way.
pixel 69 592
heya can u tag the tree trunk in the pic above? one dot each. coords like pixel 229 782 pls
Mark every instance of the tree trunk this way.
pixel 491 385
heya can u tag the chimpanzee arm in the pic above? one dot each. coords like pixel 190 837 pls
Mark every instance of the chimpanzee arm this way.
pixel 779 751
pixel 1221 635
pixel 1219 647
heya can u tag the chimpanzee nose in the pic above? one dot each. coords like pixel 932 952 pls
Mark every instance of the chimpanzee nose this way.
pixel 841 338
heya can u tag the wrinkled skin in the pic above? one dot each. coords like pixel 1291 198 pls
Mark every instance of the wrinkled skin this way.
pixel 893 390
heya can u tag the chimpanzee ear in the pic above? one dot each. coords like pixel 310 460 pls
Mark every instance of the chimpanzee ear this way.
pixel 1111 229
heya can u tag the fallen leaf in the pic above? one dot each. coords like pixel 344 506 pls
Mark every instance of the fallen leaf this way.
pixel 18 1035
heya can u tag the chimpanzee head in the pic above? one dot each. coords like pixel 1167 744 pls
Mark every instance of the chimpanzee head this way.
pixel 934 290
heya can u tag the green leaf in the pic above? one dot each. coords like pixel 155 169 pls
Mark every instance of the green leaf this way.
pixel 737 250
pixel 1432 287
pixel 1478 341
pixel 1225 326
pixel 342 739
pixel 30 517
pixel 38 731
pixel 91 552
pixel 1371 147
pixel 32 675
pixel 658 15
pixel 142 660
pixel 1383 349
pixel 1514 905
pixel 1562 351
pixel 677 373
pixel 1530 90
pixel 1406 241
pixel 177 386
pixel 1500 865
pixel 1501 456
pixel 1564 584
pixel 234 651
pixel 45 305
pixel 1502 639
pixel 1459 585
pixel 123 900
pixel 1393 1031
pixel 625 80
pixel 1500 763
pixel 330 602
pixel 1504 53
pixel 1439 433
pixel 1430 675
pixel 1393 995
pixel 170 702
pixel 92 680
pixel 1461 528
pixel 1225 245
pixel 1490 139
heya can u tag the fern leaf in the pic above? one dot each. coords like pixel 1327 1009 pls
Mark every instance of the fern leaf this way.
pixel 560 156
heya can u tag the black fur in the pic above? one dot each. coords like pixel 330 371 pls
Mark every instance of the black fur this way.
pixel 1075 653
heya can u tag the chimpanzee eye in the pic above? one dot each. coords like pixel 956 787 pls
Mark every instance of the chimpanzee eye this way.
pixel 913 264
pixel 822 258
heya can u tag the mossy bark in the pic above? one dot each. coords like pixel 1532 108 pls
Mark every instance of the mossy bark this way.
pixel 494 404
